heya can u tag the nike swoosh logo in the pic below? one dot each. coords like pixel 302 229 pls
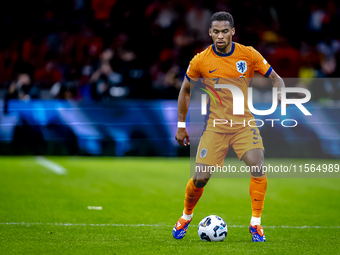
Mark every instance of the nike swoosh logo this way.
pixel 213 70
pixel 255 142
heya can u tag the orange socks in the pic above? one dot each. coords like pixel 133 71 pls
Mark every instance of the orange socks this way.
pixel 192 195
pixel 257 191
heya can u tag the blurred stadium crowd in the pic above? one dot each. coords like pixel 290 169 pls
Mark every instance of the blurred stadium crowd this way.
pixel 102 49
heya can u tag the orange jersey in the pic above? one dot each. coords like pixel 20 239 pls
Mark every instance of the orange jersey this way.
pixel 235 68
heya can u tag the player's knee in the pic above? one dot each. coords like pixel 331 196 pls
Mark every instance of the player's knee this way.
pixel 257 169
pixel 200 182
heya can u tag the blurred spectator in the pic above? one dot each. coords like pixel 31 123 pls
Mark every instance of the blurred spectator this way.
pixel 48 74
pixel 166 15
pixel 165 76
pixel 105 68
pixel 21 88
pixel 285 59
pixel 34 50
pixel 328 48
pixel 100 89
pixel 8 58
pixel 66 90
pixel 317 18
pixel 105 83
pixel 198 19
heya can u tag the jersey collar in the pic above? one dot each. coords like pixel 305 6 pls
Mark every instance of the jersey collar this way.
pixel 224 54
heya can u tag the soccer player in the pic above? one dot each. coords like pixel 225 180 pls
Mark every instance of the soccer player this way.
pixel 225 60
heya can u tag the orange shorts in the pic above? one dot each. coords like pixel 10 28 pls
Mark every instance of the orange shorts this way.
pixel 213 147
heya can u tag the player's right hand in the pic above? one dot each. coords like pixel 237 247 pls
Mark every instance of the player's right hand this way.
pixel 182 137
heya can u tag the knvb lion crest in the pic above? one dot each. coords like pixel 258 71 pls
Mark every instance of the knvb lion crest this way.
pixel 241 66
pixel 203 153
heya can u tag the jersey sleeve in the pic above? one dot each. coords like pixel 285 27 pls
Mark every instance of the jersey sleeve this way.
pixel 260 64
pixel 193 71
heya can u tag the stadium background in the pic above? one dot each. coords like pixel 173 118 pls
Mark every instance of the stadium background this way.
pixel 101 77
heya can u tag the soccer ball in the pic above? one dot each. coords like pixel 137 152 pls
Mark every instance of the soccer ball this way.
pixel 212 228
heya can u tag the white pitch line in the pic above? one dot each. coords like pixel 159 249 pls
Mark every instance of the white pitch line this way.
pixel 149 225
pixel 95 207
pixel 50 165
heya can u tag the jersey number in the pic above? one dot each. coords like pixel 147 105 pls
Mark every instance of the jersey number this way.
pixel 256 137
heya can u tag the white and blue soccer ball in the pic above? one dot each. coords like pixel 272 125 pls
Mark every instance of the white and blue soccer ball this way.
pixel 212 228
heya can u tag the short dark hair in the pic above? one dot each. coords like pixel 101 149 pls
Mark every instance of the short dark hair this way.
pixel 222 16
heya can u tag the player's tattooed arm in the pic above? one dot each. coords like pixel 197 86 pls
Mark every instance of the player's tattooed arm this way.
pixel 277 82
pixel 182 136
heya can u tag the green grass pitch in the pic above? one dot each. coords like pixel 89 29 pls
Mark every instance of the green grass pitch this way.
pixel 142 198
